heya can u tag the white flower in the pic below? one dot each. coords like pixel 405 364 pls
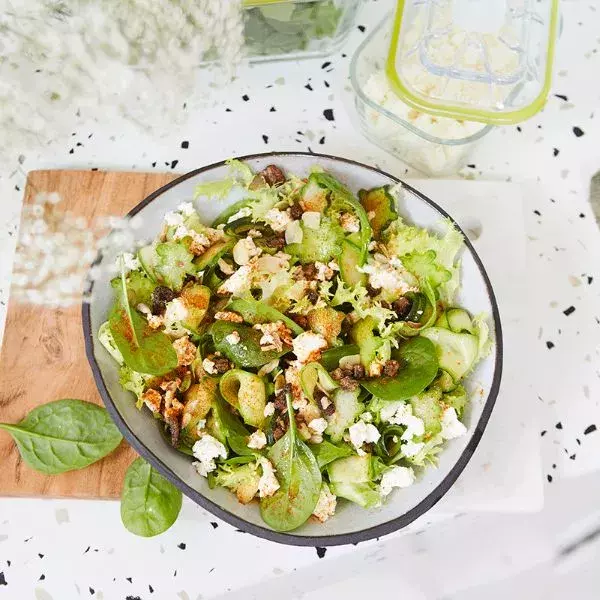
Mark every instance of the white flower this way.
pixel 396 477
pixel 206 449
pixel 451 426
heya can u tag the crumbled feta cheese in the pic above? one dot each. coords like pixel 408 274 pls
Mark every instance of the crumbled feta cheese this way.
pixel 244 250
pixel 129 262
pixel 186 209
pixel 246 211
pixel 225 267
pixel 389 275
pixel 349 222
pixel 294 233
pixel 277 219
pixel 326 504
pixel 238 283
pixel 318 425
pixel 199 239
pixel 410 448
pixel 269 409
pixel 308 345
pixel 257 440
pixel 451 426
pixel 267 484
pixel 254 233
pixel 372 245
pixel 233 338
pixel 363 433
pixel 206 449
pixel 274 335
pixel 333 265
pixel 175 312
pixel 311 219
pixel 209 366
pixel 174 218
pixel 400 413
pixel 324 272
pixel 375 368
pixel 396 477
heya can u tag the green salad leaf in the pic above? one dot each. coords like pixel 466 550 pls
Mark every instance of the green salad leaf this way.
pixel 419 368
pixel 64 435
pixel 149 503
pixel 143 349
pixel 326 452
pixel 299 478
pixel 174 262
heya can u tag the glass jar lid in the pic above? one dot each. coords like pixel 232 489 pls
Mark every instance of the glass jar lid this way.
pixel 479 60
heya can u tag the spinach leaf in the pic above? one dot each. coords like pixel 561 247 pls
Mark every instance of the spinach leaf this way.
pixel 326 452
pixel 149 503
pixel 143 349
pixel 64 435
pixel 254 312
pixel 299 478
pixel 247 352
pixel 419 368
pixel 233 430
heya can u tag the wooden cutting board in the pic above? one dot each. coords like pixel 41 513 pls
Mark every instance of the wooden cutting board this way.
pixel 43 356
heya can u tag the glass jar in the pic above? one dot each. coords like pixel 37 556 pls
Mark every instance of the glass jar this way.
pixel 292 29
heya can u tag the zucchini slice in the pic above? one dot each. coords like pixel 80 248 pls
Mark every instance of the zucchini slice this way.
pixel 347 408
pixel 456 352
pixel 459 320
pixel 381 204
pixel 196 299
pixel 350 260
pixel 213 254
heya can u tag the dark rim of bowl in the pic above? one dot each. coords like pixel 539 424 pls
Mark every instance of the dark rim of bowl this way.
pixel 289 538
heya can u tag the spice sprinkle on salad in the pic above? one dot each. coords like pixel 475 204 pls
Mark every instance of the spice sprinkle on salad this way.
pixel 304 348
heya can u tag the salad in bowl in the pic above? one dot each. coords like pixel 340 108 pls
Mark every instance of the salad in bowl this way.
pixel 305 348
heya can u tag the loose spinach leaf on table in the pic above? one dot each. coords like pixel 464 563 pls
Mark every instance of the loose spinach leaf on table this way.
pixel 143 349
pixel 299 478
pixel 64 435
pixel 419 368
pixel 149 503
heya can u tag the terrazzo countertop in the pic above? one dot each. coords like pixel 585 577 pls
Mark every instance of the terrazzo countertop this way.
pixel 58 549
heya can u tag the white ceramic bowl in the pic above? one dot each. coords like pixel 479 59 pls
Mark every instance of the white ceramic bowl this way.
pixel 351 523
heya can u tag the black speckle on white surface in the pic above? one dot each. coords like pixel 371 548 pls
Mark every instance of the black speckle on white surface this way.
pixel 578 131
pixel 328 114
pixel 589 429
pixel 92 591
pixel 228 110
pixel 569 311
pixel 40 555
pixel 561 97
pixel 519 128
pixel 265 138
pixel 320 551
pixel 185 144
pixel 549 477
pixel 309 87
pixel 543 433
pixel 129 579
pixel 174 163
pixel 181 546
pixel 214 524
pixel 362 28
pixel 150 589
pixel 132 598
pixel 245 97
pixel 558 425
pixel 154 164
pixel 326 64
pixel 2 578
pixel 326 83
pixel 42 577
pixel 272 109
pixel 322 140
pixel 555 151
pixel 549 345
pixel 572 456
